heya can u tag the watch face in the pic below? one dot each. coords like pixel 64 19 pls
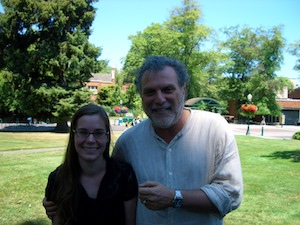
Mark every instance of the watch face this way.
pixel 178 199
pixel 178 203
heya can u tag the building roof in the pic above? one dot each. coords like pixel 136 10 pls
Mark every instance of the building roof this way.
pixel 289 103
pixel 295 94
pixel 101 77
pixel 208 101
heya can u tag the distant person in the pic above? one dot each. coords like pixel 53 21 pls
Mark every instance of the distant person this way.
pixel 120 121
pixel 29 120
pixel 263 121
pixel 89 187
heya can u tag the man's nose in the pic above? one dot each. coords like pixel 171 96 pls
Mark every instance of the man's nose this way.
pixel 160 97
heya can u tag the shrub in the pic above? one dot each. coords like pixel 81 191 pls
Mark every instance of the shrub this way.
pixel 296 136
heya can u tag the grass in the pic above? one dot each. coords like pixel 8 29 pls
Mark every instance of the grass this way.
pixel 10 141
pixel 271 171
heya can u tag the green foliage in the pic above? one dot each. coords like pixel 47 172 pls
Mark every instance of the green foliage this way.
pixel 179 37
pixel 294 49
pixel 110 95
pixel 7 100
pixel 253 50
pixel 66 107
pixel 256 55
pixel 296 136
pixel 133 100
pixel 44 44
pixel 109 110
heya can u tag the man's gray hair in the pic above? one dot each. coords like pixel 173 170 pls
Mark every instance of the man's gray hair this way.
pixel 157 63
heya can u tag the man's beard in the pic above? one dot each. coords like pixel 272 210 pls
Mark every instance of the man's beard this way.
pixel 167 119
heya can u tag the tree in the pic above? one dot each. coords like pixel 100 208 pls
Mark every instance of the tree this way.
pixel 294 49
pixel 133 100
pixel 45 45
pixel 154 40
pixel 6 93
pixel 110 96
pixel 180 37
pixel 264 92
pixel 255 55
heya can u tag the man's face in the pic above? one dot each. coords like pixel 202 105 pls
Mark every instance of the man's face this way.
pixel 162 98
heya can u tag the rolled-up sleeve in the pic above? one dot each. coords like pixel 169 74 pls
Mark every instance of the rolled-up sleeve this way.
pixel 226 186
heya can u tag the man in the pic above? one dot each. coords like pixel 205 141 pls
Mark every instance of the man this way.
pixel 186 161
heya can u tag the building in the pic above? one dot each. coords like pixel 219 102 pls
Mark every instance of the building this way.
pixel 290 103
pixel 99 80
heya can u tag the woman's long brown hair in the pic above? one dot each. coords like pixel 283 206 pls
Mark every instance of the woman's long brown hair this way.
pixel 68 176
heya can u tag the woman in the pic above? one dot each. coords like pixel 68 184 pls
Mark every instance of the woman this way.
pixel 90 187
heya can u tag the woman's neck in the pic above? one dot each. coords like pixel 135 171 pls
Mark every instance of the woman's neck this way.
pixel 93 168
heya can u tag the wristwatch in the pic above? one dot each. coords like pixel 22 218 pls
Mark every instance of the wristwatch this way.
pixel 178 199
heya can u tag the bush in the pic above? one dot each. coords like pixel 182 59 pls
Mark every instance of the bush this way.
pixel 296 136
pixel 108 110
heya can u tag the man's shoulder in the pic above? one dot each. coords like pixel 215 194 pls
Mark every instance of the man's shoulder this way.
pixel 205 114
pixel 206 118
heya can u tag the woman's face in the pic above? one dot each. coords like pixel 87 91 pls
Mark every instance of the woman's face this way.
pixel 91 138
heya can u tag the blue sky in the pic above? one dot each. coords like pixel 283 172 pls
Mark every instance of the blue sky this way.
pixel 117 19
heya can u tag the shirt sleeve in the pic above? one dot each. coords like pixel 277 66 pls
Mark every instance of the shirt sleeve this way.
pixel 51 187
pixel 226 187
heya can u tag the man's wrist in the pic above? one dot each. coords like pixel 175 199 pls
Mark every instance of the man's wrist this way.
pixel 177 199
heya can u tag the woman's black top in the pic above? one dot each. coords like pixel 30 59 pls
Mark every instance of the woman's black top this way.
pixel 119 184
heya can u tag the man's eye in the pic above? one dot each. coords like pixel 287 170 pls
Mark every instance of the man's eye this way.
pixel 148 93
pixel 168 90
pixel 83 133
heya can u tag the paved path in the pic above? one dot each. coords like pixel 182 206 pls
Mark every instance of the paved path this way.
pixel 269 131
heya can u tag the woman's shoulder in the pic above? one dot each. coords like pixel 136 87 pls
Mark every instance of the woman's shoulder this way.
pixel 54 174
pixel 51 188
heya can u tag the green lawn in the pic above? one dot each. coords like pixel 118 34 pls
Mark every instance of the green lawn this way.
pixel 271 170
pixel 24 140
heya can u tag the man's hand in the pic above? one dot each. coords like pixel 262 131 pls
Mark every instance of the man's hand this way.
pixel 155 196
pixel 50 208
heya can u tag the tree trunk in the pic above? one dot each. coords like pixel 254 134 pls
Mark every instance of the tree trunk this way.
pixel 62 127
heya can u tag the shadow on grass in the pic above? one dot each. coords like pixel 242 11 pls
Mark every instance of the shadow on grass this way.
pixel 35 222
pixel 28 128
pixel 294 155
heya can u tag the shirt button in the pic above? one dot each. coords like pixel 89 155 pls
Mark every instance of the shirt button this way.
pixel 170 173
pixel 169 149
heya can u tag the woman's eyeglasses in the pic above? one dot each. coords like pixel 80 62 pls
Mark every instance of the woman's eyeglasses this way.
pixel 98 134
